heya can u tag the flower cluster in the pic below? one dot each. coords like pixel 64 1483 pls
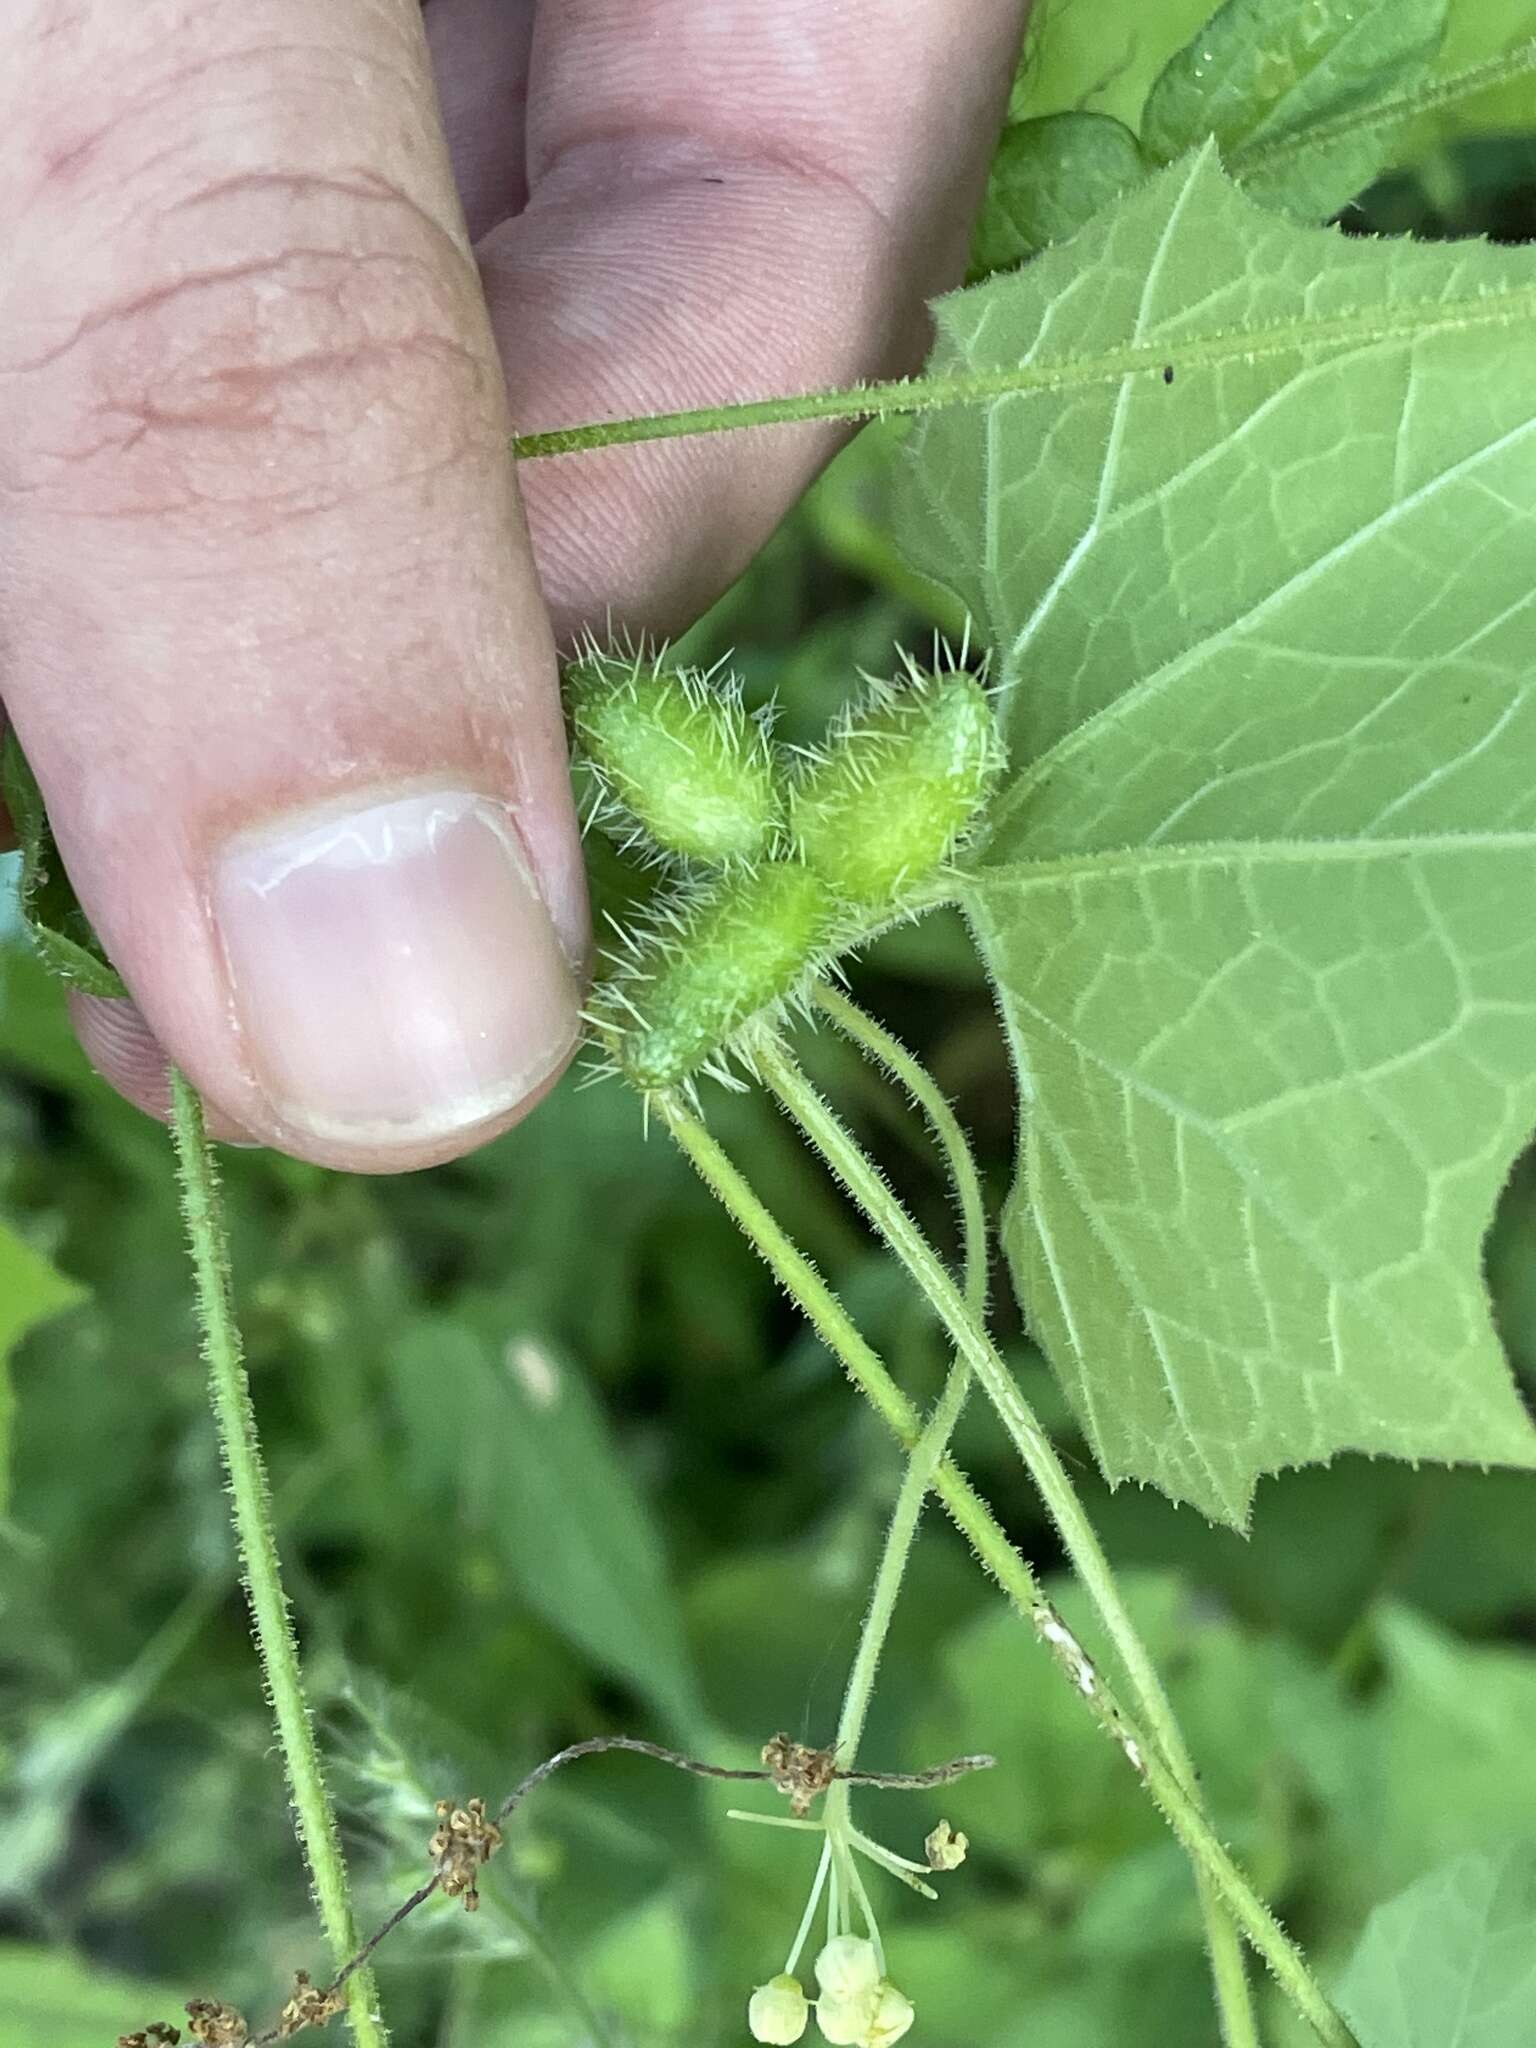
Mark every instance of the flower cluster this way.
pixel 858 2006
pixel 465 1839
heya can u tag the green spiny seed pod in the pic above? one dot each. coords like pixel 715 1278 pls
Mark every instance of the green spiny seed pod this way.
pixel 885 802
pixel 685 768
pixel 711 965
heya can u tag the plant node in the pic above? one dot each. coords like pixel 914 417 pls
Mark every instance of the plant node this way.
pixel 801 1773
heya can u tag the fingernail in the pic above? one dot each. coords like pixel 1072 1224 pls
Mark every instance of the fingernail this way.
pixel 394 971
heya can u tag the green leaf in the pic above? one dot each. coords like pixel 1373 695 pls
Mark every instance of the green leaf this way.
pixel 1452 1962
pixel 1048 178
pixel 642 1966
pixel 1104 57
pixel 1261 73
pixel 1484 40
pixel 68 1743
pixel 49 1999
pixel 848 510
pixel 1257 896
pixel 31 1290
pixel 59 927
pixel 1058 1795
pixel 510 1436
pixel 1445 1767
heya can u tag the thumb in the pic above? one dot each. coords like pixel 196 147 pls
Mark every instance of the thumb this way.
pixel 272 637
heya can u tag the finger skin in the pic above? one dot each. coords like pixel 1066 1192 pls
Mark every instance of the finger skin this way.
pixel 262 561
pixel 727 201
pixel 480 55
pixel 121 1048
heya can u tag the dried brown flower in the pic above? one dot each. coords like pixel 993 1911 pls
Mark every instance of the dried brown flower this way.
pixel 158 2034
pixel 216 2025
pixel 310 2006
pixel 802 1773
pixel 466 1837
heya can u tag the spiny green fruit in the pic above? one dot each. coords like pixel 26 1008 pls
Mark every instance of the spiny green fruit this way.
pixel 900 779
pixel 737 948
pixel 684 767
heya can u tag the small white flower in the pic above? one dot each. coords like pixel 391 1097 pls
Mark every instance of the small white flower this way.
pixel 892 2016
pixel 848 1968
pixel 777 2011
pixel 874 2017
pixel 846 2021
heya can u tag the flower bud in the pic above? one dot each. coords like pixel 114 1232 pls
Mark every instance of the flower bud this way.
pixel 777 2010
pixel 848 1968
pixel 845 2021
pixel 873 2018
pixel 892 2016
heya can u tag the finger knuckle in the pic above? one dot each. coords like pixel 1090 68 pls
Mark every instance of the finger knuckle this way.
pixel 302 344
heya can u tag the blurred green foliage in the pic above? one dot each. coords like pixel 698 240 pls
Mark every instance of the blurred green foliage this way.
pixel 551 1458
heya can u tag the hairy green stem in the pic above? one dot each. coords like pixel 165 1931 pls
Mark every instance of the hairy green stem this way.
pixel 1234 2001
pixel 861 1178
pixel 905 396
pixel 887 1051
pixel 197 1179
pixel 975 1520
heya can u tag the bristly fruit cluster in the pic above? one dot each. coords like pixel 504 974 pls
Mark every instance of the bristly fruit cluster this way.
pixel 777 864
pixel 679 767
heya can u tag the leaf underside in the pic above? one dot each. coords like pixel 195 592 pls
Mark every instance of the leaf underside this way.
pixel 1257 894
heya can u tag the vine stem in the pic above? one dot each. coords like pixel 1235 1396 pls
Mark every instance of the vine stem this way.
pixel 971 1515
pixel 1234 1999
pixel 240 1446
pixel 907 396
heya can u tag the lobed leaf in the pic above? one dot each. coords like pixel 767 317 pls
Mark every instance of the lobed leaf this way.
pixel 1257 895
